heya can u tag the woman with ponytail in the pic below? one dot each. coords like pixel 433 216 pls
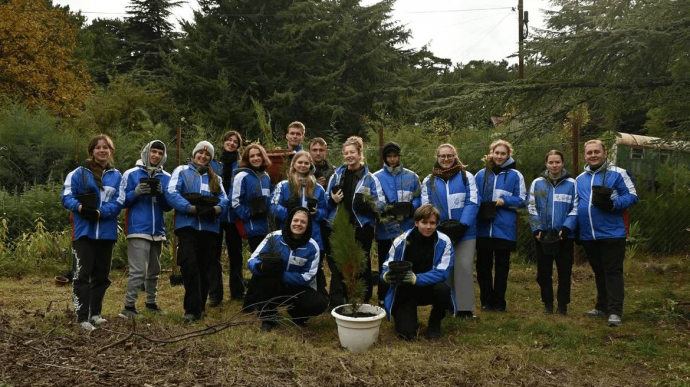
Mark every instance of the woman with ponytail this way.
pixel 94 194
pixel 197 195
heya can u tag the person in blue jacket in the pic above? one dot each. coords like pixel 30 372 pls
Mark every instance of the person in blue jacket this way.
pixel 229 161
pixel 145 226
pixel 283 270
pixel 501 190
pixel 196 224
pixel 401 189
pixel 452 191
pixel 353 189
pixel 431 255
pixel 94 194
pixel 605 192
pixel 301 190
pixel 552 212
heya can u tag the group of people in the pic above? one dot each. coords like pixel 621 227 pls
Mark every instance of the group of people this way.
pixel 435 224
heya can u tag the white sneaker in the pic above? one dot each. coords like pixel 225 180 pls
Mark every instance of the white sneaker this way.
pixel 87 325
pixel 98 320
pixel 615 320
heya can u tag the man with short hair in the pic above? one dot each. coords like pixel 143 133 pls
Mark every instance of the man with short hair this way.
pixel 318 150
pixel 145 226
pixel 295 135
pixel 430 253
pixel 605 192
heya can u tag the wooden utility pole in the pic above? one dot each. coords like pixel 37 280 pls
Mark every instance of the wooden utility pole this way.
pixel 521 34
pixel 575 124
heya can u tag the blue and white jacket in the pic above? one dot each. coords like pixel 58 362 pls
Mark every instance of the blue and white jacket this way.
pixel 111 201
pixel 596 223
pixel 553 207
pixel 399 188
pixel 299 265
pixel 455 199
pixel 185 179
pixel 442 266
pixel 248 184
pixel 282 194
pixel 508 185
pixel 144 214
pixel 368 185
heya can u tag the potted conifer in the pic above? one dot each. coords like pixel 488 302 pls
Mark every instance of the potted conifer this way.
pixel 358 323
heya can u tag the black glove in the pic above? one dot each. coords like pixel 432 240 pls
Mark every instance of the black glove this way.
pixel 206 212
pixel 603 203
pixel 88 213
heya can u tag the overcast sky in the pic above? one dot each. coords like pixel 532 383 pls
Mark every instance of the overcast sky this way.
pixel 461 30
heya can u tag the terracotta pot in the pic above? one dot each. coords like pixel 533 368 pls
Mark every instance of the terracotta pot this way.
pixel 280 162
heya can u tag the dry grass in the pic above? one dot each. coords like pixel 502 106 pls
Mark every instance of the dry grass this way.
pixel 42 346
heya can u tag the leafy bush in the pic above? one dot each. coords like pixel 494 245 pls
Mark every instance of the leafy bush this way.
pixel 39 251
pixel 20 209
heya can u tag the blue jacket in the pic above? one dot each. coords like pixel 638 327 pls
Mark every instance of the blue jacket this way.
pixel 247 184
pixel 442 266
pixel 111 200
pixel 552 208
pixel 401 187
pixel 299 266
pixel 595 223
pixel 369 185
pixel 282 194
pixel 185 179
pixel 144 214
pixel 228 214
pixel 456 199
pixel 508 185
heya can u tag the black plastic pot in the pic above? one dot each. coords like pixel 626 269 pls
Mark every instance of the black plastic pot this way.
pixel 452 228
pixel 487 211
pixel 550 242
pixel 399 266
pixel 403 209
pixel 601 192
pixel 154 184
pixel 89 199
pixel 311 204
pixel 194 198
pixel 272 263
pixel 336 188
pixel 257 206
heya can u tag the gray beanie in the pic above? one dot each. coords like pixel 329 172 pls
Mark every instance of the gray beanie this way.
pixel 203 145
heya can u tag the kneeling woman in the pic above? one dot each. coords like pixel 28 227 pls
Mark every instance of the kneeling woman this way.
pixel 284 272
pixel 431 255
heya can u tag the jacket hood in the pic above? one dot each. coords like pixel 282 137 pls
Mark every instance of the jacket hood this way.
pixel 509 164
pixel 145 160
pixel 564 175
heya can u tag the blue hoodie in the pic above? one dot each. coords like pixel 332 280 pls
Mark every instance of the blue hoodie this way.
pixel 248 184
pixel 508 185
pixel 553 207
pixel 299 265
pixel 401 187
pixel 368 185
pixel 111 200
pixel 455 199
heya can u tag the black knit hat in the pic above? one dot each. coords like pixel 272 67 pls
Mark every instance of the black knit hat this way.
pixel 391 146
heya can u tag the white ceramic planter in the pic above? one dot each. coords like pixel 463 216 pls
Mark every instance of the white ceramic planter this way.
pixel 359 333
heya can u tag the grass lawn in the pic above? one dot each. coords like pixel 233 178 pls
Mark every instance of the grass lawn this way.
pixel 41 346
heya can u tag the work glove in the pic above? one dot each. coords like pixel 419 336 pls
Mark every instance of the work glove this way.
pixel 142 189
pixel 410 278
pixel 88 213
pixel 207 212
pixel 603 203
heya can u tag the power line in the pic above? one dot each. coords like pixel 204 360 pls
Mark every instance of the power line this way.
pixel 482 36
pixel 460 10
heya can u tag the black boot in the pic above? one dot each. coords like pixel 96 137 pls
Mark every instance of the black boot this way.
pixel 562 309
pixel 548 308
pixel 433 329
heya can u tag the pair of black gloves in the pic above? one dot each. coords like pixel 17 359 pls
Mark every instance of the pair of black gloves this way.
pixel 603 202
pixel 89 213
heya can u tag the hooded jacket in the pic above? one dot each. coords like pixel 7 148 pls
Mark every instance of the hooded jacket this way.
pixel 508 185
pixel 248 184
pixel 368 185
pixel 401 187
pixel 282 195
pixel 455 199
pixel 442 265
pixel 594 222
pixel 144 214
pixel 111 200
pixel 553 206
pixel 185 179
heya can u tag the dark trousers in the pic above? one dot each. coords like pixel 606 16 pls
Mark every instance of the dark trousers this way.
pixel 408 298
pixel 564 267
pixel 337 293
pixel 303 302
pixel 251 298
pixel 233 242
pixel 383 245
pixel 92 259
pixel 492 287
pixel 606 258
pixel 195 251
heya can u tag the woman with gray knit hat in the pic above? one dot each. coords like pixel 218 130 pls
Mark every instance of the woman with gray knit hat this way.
pixel 197 195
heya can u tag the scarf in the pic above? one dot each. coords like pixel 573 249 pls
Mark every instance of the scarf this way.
pixel 97 170
pixel 446 174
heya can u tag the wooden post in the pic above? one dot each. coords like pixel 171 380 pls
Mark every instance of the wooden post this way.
pixel 174 251
pixel 575 124
pixel 521 26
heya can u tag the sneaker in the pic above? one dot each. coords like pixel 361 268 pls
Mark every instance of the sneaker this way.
pixel 267 325
pixel 98 320
pixel 87 325
pixel 595 313
pixel 189 318
pixel 562 310
pixel 615 320
pixel 129 312
pixel 548 308
pixel 153 308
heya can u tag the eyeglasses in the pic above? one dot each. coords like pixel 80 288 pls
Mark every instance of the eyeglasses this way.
pixel 445 156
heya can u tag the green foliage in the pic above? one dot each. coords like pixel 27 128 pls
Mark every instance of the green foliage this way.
pixel 20 209
pixel 348 256
pixel 38 251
